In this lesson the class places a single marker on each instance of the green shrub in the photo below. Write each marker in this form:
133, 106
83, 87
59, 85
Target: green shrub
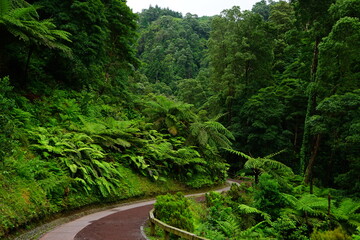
336, 234
356, 235
6, 125
268, 197
199, 181
174, 210
288, 229
21, 201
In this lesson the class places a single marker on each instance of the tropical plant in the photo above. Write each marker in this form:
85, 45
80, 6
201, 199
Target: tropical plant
174, 210
348, 213
22, 20
83, 159
266, 164
211, 133
335, 234
169, 116
6, 126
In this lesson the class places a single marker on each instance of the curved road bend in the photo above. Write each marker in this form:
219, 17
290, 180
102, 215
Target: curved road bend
120, 223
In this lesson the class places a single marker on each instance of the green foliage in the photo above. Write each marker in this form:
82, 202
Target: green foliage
356, 236
265, 165
25, 200
6, 125
235, 60
167, 115
338, 120
268, 198
348, 212
171, 47
147, 16
174, 210
23, 22
75, 128
342, 42
211, 133
287, 228
83, 159
338, 233
102, 34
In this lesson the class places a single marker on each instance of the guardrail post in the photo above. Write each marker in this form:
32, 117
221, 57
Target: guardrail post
167, 235
170, 229
152, 228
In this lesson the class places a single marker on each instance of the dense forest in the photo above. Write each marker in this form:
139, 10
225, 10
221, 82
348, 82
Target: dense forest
99, 104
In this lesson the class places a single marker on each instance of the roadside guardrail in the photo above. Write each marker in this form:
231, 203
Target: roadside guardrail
170, 229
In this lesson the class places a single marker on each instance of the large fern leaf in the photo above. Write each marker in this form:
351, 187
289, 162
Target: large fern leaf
251, 210
349, 210
241, 154
246, 233
230, 227
5, 6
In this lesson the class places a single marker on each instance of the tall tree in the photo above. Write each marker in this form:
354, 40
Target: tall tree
103, 32
172, 48
240, 56
313, 17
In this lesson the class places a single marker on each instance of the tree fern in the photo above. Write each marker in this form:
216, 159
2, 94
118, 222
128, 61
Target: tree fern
248, 233
245, 209
211, 133
109, 133
22, 21
308, 205
261, 165
348, 211
169, 115
230, 227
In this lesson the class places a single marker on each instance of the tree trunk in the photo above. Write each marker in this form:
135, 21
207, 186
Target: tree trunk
304, 152
309, 170
3, 68
296, 135
31, 50
256, 174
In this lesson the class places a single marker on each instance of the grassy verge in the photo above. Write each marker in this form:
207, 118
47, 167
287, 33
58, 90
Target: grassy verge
135, 188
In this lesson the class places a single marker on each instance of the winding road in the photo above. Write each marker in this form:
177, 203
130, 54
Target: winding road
120, 223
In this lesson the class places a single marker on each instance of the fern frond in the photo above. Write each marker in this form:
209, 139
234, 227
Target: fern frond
275, 154
312, 205
230, 227
241, 154
348, 211
247, 232
251, 210
5, 6
23, 13
290, 199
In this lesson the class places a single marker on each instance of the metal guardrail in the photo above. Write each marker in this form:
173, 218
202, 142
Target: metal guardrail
179, 232
170, 229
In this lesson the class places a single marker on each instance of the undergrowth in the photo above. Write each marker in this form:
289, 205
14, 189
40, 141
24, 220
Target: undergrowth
67, 149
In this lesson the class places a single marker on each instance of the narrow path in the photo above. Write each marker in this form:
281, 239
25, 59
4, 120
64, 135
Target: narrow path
124, 225
69, 230
120, 223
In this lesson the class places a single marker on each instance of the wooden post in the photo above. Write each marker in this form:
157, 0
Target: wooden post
152, 228
167, 235
329, 204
